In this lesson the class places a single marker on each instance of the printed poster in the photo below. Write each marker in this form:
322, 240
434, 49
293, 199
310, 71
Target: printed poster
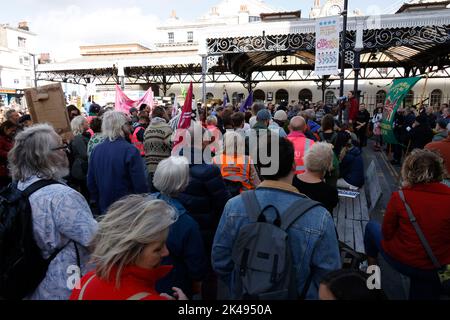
327, 46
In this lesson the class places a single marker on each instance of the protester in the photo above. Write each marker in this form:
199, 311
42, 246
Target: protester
420, 134
185, 244
25, 121
7, 133
312, 238
62, 221
353, 107
73, 112
116, 168
127, 252
376, 121
256, 107
351, 162
278, 123
211, 126
327, 132
397, 240
361, 125
219, 115
442, 132
239, 125
157, 143
442, 147
78, 151
98, 137
348, 285
13, 116
318, 162
134, 115
237, 169
301, 143
205, 196
138, 133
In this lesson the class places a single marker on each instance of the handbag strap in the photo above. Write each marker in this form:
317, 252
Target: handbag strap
419, 232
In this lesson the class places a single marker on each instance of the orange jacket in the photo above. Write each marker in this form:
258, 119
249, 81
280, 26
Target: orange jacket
235, 168
138, 144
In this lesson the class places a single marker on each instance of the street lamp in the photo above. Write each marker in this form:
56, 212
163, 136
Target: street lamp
343, 43
323, 84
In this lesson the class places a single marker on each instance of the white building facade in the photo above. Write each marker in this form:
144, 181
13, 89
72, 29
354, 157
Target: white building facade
17, 58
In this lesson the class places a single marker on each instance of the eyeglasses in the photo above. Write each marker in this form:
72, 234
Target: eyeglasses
64, 147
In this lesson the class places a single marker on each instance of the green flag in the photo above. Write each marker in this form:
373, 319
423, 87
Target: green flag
399, 89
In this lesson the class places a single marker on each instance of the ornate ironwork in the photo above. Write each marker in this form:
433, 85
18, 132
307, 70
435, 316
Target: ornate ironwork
270, 43
372, 39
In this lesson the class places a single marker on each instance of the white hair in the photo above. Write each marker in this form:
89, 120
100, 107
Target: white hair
33, 154
319, 158
211, 120
172, 175
112, 125
77, 125
126, 229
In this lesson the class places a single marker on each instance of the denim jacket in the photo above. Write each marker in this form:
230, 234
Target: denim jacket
312, 237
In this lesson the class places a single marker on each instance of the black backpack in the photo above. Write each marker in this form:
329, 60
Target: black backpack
22, 267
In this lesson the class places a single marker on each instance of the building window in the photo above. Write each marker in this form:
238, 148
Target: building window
16, 81
330, 97
190, 37
305, 95
171, 37
380, 97
259, 96
254, 19
409, 99
21, 42
435, 98
24, 61
282, 96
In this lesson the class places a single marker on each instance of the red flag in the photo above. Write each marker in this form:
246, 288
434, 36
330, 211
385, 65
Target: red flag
185, 118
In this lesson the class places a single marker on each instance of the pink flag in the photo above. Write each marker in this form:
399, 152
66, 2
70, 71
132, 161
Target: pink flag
185, 118
124, 104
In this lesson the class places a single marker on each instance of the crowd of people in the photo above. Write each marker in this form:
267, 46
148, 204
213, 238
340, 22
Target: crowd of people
146, 217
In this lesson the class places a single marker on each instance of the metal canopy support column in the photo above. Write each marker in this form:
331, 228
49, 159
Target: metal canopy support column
204, 71
343, 43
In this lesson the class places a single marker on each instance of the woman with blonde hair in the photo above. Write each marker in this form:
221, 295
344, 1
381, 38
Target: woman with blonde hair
318, 161
237, 169
422, 203
127, 251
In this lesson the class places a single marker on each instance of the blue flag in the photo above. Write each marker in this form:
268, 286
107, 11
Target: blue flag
247, 103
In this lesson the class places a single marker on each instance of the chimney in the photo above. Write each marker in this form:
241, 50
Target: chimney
173, 15
24, 26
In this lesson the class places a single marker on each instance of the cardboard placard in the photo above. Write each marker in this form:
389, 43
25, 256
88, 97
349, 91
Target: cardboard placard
47, 105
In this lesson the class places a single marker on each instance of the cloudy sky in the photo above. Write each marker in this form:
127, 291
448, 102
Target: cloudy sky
63, 25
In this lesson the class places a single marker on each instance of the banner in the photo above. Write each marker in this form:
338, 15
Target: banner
399, 89
247, 104
327, 46
124, 104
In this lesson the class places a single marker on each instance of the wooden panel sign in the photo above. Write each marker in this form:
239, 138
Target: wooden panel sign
47, 105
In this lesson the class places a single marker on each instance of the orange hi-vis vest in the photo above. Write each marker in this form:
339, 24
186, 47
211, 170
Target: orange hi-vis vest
301, 146
138, 144
235, 168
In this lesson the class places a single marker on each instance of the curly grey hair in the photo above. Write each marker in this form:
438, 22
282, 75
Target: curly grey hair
34, 155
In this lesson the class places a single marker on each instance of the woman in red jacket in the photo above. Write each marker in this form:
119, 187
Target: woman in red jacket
397, 240
7, 132
128, 248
